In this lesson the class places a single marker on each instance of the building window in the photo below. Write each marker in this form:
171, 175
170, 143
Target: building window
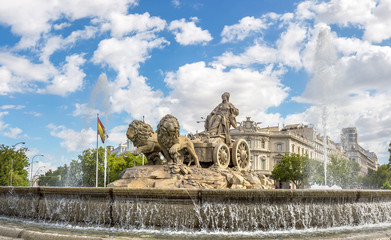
263, 161
279, 147
263, 144
293, 148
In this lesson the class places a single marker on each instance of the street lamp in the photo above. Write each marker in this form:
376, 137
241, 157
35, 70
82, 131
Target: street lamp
31, 170
12, 160
37, 174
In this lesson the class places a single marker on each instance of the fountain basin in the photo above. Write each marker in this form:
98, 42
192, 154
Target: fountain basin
197, 209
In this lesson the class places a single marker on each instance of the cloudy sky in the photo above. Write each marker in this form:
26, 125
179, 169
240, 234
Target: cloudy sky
283, 62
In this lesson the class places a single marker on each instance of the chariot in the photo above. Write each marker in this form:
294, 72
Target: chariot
215, 150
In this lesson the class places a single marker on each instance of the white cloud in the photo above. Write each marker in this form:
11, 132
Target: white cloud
244, 28
193, 95
41, 13
13, 133
16, 107
176, 3
55, 43
72, 140
3, 125
121, 25
187, 33
287, 52
19, 74
290, 45
70, 79
84, 110
370, 15
21, 67
254, 54
61, 26
117, 134
35, 114
125, 56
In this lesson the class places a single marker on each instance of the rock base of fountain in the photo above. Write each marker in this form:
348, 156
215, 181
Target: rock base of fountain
181, 176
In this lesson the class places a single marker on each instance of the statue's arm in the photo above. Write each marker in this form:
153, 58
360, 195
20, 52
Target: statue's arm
234, 110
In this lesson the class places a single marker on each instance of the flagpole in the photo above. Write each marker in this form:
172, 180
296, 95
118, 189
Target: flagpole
104, 184
106, 136
97, 148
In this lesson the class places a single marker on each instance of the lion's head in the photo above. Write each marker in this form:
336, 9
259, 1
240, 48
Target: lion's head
139, 132
168, 131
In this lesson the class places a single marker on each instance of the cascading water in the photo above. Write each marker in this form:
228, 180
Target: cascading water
192, 210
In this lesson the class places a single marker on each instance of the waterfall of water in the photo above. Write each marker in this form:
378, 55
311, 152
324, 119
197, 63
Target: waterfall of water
197, 210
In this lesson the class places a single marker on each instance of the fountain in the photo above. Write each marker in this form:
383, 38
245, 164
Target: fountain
224, 211
196, 209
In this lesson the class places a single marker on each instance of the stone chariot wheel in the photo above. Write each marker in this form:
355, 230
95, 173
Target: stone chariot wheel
221, 155
241, 154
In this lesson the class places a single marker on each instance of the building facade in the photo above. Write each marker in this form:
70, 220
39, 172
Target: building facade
356, 153
269, 145
124, 148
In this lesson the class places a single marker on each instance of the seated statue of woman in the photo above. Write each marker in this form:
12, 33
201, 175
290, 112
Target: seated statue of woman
220, 120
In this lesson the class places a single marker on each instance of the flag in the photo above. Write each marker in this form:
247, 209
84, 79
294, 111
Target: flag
101, 131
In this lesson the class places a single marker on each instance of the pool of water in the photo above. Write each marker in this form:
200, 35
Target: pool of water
370, 231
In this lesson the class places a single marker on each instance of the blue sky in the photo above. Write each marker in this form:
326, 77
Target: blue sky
282, 61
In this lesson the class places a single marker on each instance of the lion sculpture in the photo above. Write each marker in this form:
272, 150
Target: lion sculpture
145, 139
175, 147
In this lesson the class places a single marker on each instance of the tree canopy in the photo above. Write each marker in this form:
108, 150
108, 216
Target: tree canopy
82, 172
304, 172
343, 172
291, 169
377, 178
389, 150
20, 162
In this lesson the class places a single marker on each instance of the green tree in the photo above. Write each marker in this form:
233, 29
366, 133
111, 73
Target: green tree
313, 172
386, 185
343, 172
50, 178
290, 169
82, 172
115, 165
20, 162
377, 178
389, 150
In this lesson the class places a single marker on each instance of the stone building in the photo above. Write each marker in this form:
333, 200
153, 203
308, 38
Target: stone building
260, 145
124, 148
353, 150
269, 145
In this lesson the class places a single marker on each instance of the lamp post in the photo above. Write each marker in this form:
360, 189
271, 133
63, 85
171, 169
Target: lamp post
37, 173
12, 160
31, 170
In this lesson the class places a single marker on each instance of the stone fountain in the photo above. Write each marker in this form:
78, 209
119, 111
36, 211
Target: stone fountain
205, 186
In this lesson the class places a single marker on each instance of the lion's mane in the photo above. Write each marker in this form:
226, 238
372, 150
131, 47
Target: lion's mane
142, 132
168, 131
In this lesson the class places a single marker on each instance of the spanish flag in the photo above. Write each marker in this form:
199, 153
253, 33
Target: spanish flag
101, 131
